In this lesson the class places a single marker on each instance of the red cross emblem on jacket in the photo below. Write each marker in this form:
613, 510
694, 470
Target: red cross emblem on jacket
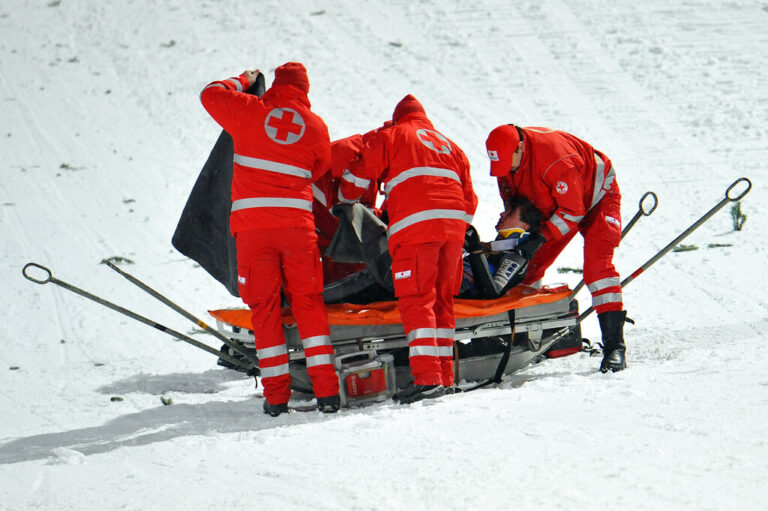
434, 140
284, 125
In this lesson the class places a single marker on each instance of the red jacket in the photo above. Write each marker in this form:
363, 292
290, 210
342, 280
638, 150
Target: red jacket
562, 175
280, 148
425, 176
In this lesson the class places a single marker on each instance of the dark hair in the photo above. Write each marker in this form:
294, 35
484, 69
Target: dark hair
529, 213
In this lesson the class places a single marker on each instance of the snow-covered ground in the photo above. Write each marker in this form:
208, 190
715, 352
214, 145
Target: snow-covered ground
102, 136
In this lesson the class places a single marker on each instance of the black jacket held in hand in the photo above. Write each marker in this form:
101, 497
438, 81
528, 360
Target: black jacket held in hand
202, 233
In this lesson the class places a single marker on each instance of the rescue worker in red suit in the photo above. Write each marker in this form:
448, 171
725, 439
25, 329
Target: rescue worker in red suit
281, 147
430, 203
575, 188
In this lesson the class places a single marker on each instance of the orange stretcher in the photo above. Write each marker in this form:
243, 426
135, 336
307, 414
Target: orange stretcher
386, 313
533, 320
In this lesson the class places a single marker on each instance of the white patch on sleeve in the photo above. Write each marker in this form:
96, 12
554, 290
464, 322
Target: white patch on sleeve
561, 187
402, 274
613, 221
241, 279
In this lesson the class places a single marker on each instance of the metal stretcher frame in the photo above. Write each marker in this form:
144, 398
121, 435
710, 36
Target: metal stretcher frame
543, 317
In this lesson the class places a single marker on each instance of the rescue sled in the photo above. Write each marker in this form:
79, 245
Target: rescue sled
372, 351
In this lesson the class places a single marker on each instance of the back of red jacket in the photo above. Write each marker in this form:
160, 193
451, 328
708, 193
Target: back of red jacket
562, 175
281, 147
425, 176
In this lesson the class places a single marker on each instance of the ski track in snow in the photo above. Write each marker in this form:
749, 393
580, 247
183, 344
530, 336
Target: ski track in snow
102, 136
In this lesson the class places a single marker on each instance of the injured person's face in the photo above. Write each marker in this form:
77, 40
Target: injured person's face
510, 223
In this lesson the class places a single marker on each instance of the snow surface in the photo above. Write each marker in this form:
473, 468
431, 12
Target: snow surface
102, 136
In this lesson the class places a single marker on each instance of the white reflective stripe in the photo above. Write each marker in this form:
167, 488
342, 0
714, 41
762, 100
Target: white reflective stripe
357, 181
318, 194
269, 372
603, 182
445, 333
426, 351
237, 84
271, 202
430, 214
560, 224
418, 172
445, 351
603, 283
606, 298
272, 166
215, 85
344, 199
599, 179
421, 333
606, 186
316, 341
573, 218
274, 351
318, 360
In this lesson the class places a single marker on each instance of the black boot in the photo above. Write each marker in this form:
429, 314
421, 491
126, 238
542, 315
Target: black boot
414, 393
329, 404
614, 349
275, 410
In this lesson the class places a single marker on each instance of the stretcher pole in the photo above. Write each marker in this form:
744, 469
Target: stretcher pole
48, 277
661, 253
641, 212
226, 340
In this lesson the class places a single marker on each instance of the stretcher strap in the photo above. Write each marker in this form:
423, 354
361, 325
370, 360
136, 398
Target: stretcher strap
497, 378
505, 357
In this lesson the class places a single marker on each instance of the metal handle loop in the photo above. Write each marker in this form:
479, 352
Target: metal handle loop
47, 279
742, 194
655, 203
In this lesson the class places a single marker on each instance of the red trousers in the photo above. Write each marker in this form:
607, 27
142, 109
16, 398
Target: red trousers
267, 259
426, 278
601, 229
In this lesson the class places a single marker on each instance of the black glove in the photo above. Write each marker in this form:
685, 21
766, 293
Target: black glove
472, 240
530, 245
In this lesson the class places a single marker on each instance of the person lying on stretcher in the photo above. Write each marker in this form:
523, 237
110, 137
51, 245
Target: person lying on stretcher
491, 269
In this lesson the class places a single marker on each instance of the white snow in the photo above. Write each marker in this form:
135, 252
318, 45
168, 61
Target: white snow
102, 136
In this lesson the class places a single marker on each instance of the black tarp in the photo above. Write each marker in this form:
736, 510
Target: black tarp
360, 238
202, 233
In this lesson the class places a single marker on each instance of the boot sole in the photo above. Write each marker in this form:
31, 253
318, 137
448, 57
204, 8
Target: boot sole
422, 397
